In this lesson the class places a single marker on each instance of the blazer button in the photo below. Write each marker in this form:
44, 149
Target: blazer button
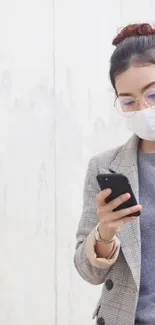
109, 285
100, 321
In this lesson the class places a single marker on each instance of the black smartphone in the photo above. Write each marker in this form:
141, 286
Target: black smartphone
119, 184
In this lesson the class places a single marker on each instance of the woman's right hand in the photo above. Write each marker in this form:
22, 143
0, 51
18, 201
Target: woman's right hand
110, 221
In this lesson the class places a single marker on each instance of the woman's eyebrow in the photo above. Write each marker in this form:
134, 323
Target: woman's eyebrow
144, 88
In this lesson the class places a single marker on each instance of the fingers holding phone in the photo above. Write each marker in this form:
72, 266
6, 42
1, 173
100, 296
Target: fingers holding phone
115, 205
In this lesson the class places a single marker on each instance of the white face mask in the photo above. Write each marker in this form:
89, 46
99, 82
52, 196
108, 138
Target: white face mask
142, 123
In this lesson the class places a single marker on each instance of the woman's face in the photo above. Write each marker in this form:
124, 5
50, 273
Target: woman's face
136, 88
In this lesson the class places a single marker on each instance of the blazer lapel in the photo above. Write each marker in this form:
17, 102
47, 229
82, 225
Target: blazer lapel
130, 237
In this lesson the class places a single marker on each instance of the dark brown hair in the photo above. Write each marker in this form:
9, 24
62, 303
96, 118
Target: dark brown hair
135, 44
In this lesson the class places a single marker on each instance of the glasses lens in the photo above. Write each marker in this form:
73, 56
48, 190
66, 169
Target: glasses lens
149, 96
126, 104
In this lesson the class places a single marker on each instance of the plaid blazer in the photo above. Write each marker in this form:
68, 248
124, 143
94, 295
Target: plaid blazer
120, 273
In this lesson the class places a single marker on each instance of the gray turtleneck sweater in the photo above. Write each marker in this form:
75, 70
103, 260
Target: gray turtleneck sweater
145, 314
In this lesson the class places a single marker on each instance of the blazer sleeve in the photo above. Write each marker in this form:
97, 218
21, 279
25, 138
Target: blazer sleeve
91, 268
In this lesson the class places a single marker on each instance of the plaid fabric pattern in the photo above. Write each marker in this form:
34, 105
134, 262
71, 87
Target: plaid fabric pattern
116, 306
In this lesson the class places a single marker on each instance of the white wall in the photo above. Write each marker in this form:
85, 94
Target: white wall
56, 111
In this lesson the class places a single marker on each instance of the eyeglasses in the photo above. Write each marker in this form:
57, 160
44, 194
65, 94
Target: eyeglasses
131, 105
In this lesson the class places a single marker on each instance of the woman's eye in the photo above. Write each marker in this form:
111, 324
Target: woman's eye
129, 103
151, 96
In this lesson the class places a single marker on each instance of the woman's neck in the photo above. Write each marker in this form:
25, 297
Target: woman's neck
147, 146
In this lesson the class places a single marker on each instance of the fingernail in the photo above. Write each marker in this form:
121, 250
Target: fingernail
127, 195
108, 190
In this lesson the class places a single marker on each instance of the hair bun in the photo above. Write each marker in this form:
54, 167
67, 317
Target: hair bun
133, 30
144, 29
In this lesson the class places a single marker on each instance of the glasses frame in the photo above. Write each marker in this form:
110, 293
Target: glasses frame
136, 100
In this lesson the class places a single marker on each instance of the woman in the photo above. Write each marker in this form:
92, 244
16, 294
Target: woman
113, 249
